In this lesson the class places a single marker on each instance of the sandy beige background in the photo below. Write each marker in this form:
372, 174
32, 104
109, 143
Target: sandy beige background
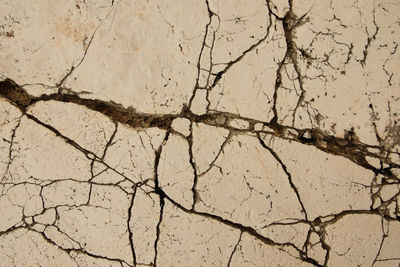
199, 133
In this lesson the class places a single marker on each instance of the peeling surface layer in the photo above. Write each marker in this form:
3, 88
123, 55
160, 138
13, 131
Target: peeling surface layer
200, 133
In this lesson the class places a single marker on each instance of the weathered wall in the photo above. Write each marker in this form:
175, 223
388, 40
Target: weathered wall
199, 133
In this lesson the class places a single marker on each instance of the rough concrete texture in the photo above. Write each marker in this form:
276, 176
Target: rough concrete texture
200, 133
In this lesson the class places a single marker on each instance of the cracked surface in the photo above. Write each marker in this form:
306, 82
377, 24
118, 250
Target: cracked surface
199, 133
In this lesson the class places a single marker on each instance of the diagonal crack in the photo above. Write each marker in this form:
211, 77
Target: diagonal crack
284, 168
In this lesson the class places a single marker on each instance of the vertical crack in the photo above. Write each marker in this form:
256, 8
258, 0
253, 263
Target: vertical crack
10, 150
129, 226
194, 167
289, 22
234, 249
196, 87
160, 193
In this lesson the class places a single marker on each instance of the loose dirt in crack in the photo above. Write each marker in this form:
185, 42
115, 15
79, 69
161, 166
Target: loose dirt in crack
347, 147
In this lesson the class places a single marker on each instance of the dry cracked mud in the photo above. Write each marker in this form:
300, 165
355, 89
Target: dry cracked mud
200, 133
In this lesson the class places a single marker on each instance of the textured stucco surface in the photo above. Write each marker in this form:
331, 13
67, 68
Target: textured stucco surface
200, 133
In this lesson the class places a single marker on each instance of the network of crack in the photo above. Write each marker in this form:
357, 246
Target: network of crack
241, 133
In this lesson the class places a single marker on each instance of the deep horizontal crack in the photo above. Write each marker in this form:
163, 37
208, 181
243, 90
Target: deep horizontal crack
348, 146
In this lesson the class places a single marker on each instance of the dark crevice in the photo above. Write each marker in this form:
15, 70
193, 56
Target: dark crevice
348, 147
